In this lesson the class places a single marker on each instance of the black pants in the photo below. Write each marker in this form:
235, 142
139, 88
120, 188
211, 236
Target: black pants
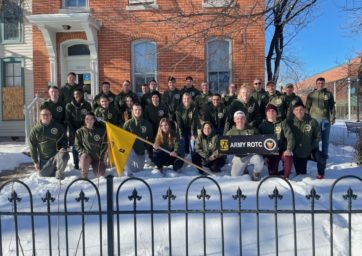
214, 165
300, 164
161, 159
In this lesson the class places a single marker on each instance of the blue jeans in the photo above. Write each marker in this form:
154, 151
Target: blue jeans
325, 128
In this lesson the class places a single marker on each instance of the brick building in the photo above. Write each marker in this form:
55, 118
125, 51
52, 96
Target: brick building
341, 81
141, 40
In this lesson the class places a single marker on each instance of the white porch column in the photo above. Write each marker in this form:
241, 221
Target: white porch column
94, 77
349, 98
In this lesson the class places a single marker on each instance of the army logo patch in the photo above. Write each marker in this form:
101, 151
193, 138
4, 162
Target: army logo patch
83, 111
270, 144
278, 102
208, 99
224, 145
220, 115
109, 116
54, 131
59, 109
326, 97
278, 129
143, 129
308, 128
160, 113
177, 96
210, 145
190, 115
293, 102
251, 108
97, 137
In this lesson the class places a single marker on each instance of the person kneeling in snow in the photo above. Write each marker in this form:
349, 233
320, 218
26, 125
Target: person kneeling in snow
240, 162
91, 143
206, 149
48, 144
168, 139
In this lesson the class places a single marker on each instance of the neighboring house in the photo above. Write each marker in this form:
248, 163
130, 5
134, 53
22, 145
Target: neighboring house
118, 40
337, 81
16, 65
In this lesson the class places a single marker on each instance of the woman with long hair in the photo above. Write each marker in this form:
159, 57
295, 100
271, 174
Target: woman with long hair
166, 138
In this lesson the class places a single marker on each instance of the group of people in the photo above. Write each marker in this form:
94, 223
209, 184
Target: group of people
183, 122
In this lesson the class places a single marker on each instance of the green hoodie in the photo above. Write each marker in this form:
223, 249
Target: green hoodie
154, 114
283, 132
46, 140
92, 142
278, 100
142, 128
306, 134
320, 105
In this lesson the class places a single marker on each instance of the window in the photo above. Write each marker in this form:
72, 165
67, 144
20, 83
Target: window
218, 57
142, 5
144, 63
11, 22
78, 50
75, 3
217, 3
132, 2
12, 73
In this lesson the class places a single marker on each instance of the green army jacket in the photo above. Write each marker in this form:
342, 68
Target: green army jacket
154, 114
187, 120
320, 105
260, 97
121, 97
110, 115
278, 100
141, 128
57, 109
111, 98
306, 134
206, 146
92, 142
216, 116
192, 90
290, 101
46, 140
171, 99
202, 102
74, 115
283, 132
66, 92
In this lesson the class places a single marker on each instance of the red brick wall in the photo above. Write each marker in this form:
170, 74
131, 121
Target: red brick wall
121, 27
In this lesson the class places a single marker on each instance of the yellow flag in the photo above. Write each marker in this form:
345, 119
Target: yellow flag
120, 145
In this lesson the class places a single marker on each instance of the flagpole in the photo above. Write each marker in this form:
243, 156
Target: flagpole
178, 157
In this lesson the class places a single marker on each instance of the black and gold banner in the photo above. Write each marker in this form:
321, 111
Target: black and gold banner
243, 144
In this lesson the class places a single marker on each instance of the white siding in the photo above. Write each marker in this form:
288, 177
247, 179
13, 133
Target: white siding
22, 50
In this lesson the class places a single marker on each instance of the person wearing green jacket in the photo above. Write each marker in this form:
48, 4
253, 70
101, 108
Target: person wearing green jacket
277, 99
230, 95
171, 98
55, 105
203, 100
285, 141
105, 91
259, 94
187, 121
106, 113
66, 91
240, 162
307, 135
74, 115
321, 106
190, 88
142, 128
206, 150
167, 138
290, 99
126, 91
91, 143
216, 114
248, 105
48, 146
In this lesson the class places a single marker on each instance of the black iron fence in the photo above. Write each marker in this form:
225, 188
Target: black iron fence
132, 208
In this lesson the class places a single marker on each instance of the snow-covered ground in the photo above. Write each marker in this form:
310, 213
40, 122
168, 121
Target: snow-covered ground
339, 164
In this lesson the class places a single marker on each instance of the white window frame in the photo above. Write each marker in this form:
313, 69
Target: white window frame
86, 7
207, 60
20, 29
142, 5
218, 3
133, 81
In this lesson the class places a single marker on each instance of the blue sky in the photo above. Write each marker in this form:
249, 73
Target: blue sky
327, 41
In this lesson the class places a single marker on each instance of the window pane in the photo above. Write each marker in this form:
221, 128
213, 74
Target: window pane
141, 1
17, 81
17, 69
144, 57
9, 81
76, 3
139, 80
78, 49
9, 69
218, 55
